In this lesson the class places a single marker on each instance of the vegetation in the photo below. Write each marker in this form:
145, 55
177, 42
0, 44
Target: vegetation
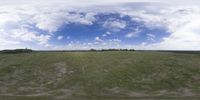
16, 51
113, 50
100, 75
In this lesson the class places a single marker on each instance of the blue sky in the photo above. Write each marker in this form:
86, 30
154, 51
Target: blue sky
100, 25
88, 33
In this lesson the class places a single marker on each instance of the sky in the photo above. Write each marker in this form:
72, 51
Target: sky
100, 24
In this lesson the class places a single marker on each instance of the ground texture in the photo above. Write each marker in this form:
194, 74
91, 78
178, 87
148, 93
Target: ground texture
100, 76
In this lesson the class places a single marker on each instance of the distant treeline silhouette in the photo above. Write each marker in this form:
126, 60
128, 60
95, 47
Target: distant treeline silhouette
16, 51
113, 50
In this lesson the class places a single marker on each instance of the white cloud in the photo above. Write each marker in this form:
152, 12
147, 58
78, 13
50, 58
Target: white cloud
182, 23
76, 45
111, 43
51, 20
19, 23
115, 25
45, 18
76, 3
185, 38
151, 37
106, 34
133, 34
109, 33
82, 3
5, 18
4, 42
19, 36
60, 37
97, 39
115, 40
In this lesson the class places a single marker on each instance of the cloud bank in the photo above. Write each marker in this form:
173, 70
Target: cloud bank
35, 26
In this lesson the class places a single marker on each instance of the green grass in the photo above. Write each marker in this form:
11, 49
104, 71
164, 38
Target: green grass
121, 75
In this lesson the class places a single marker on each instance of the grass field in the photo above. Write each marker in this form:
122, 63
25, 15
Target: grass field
116, 75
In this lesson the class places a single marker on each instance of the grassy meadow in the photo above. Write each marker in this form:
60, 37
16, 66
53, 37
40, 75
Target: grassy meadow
116, 75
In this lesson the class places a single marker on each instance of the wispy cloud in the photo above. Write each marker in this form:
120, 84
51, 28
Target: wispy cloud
151, 37
133, 34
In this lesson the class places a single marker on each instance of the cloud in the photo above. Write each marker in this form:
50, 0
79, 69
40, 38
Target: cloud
115, 25
37, 24
180, 22
109, 33
60, 37
51, 20
106, 34
4, 42
76, 45
115, 41
98, 40
133, 34
23, 35
5, 18
185, 38
151, 37
76, 3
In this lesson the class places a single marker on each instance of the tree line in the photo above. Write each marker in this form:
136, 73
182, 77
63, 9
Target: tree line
16, 51
113, 50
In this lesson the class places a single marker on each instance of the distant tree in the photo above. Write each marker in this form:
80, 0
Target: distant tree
117, 50
132, 50
125, 50
16, 51
103, 49
93, 50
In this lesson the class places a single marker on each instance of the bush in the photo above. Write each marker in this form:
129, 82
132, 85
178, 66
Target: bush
16, 51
